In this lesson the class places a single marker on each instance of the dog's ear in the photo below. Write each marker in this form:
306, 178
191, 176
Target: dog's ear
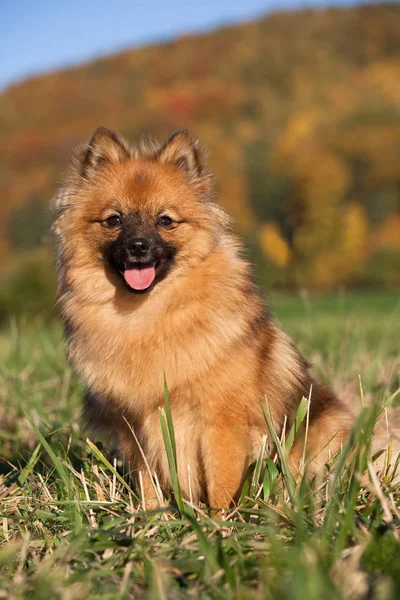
183, 152
105, 147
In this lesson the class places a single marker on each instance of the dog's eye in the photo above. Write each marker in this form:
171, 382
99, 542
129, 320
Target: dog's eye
113, 221
165, 221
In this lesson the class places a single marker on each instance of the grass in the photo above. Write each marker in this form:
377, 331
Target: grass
72, 526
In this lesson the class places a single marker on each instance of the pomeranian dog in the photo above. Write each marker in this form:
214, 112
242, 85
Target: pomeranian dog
153, 283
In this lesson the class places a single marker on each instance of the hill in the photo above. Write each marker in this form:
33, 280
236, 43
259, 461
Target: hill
300, 112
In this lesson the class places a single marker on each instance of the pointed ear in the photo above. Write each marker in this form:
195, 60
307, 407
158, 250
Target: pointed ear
183, 152
105, 147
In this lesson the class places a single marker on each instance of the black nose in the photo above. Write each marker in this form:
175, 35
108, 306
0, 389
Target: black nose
139, 247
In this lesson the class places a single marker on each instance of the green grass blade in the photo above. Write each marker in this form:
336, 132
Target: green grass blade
289, 479
168, 432
392, 397
27, 470
171, 462
54, 458
100, 456
271, 475
75, 515
299, 418
206, 546
257, 469
169, 420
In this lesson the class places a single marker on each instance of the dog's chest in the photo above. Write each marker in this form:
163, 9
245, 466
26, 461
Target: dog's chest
126, 355
129, 363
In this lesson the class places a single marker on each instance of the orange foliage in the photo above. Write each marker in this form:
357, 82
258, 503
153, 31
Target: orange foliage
388, 234
274, 245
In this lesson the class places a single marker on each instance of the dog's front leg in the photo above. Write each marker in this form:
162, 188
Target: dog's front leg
136, 465
225, 454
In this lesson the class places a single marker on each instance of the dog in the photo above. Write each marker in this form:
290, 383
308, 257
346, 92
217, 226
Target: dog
153, 284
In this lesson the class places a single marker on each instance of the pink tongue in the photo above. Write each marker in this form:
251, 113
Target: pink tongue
140, 279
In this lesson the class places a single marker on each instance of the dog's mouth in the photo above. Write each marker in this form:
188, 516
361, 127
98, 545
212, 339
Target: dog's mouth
140, 277
140, 273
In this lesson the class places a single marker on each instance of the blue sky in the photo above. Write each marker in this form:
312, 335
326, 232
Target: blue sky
40, 35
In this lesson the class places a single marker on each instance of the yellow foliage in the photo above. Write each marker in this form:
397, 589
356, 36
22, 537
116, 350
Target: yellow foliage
384, 75
354, 248
324, 182
233, 192
274, 245
337, 262
299, 130
327, 180
232, 196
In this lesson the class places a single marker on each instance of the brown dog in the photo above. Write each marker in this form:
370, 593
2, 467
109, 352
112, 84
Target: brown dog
151, 282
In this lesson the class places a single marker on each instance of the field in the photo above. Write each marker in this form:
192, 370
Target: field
71, 525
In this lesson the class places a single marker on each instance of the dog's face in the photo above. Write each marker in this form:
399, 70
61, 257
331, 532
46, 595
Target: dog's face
140, 253
139, 220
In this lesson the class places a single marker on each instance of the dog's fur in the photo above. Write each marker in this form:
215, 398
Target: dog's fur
201, 323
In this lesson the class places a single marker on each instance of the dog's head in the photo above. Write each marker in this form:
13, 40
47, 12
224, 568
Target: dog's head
141, 216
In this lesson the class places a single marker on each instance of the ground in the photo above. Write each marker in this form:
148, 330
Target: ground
71, 525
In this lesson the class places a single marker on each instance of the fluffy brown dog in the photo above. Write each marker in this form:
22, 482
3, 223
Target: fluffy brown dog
152, 281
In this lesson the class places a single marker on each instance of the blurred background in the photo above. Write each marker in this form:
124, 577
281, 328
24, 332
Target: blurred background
298, 103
